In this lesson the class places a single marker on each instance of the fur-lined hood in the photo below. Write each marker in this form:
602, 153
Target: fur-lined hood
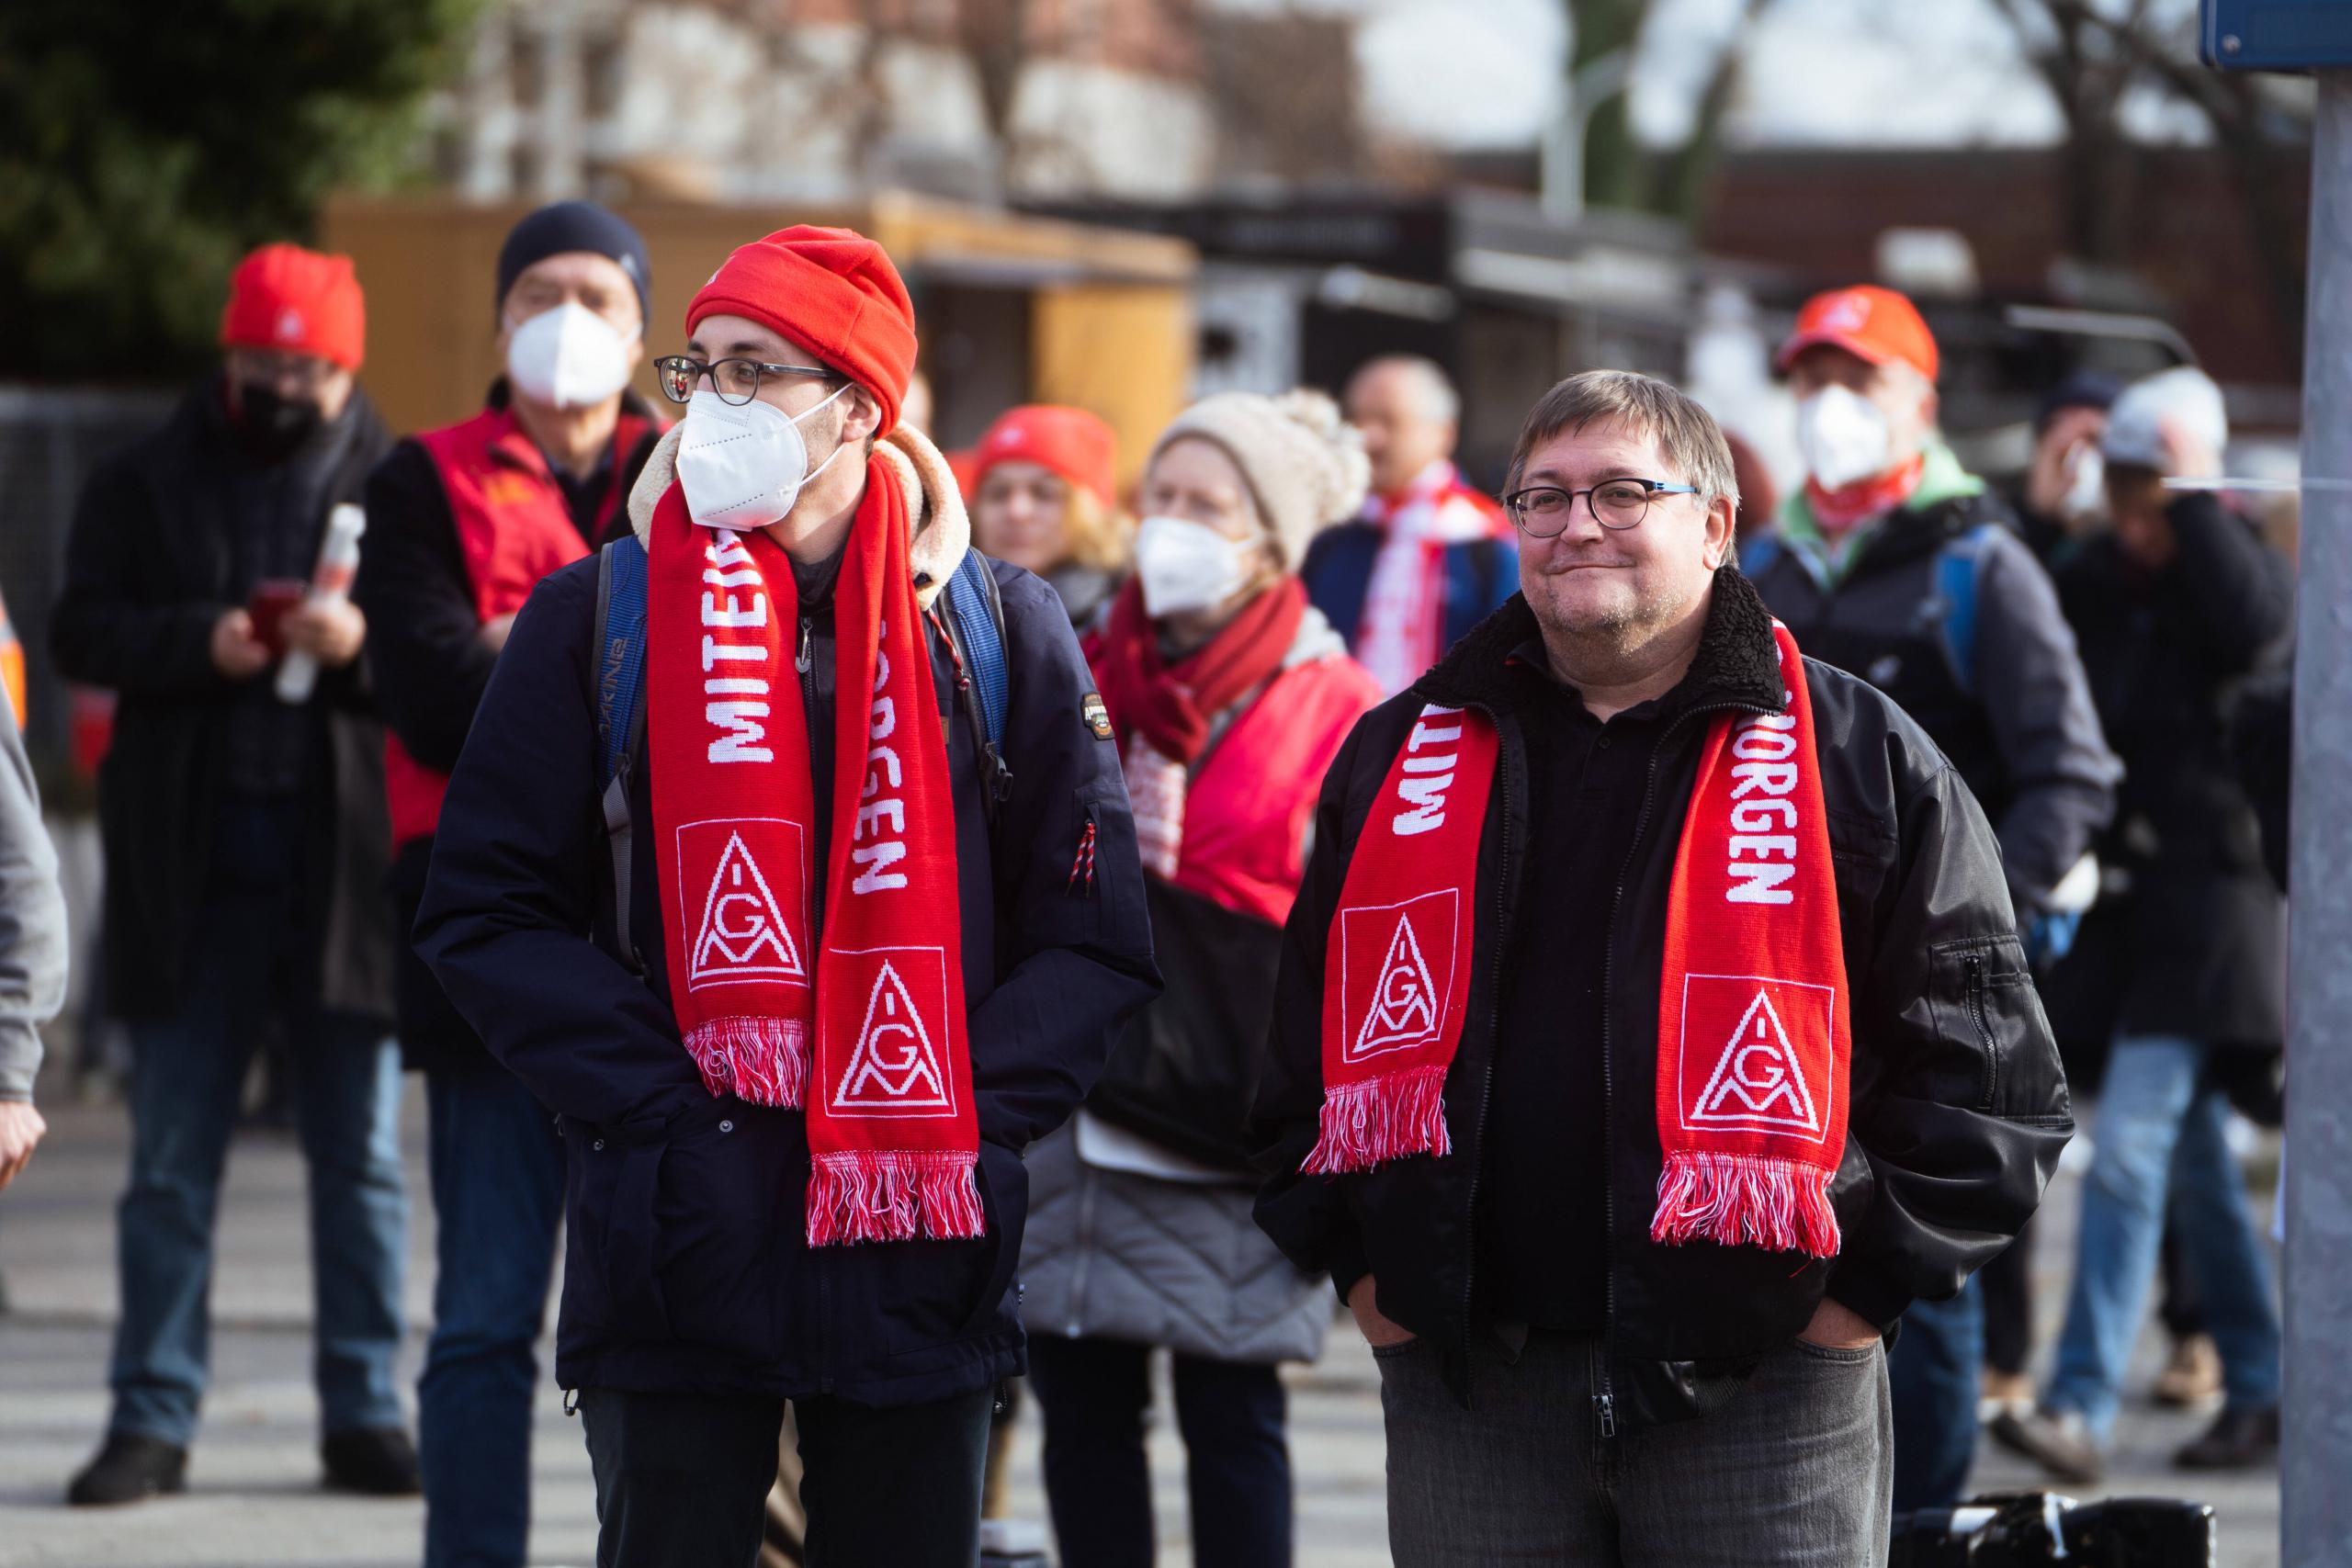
943, 530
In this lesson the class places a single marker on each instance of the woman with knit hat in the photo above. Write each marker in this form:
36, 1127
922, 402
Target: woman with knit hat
1229, 695
806, 977
1045, 497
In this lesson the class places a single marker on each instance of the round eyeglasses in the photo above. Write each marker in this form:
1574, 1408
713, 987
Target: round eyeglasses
1542, 511
737, 382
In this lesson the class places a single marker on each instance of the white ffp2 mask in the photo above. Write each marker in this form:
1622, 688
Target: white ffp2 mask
744, 465
1843, 437
568, 356
1184, 566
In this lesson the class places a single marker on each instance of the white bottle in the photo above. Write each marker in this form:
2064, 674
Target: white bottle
330, 585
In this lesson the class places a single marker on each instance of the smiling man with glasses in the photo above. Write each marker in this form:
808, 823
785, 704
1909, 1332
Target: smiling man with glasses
1633, 1060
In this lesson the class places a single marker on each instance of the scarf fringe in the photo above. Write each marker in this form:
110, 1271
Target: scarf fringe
893, 1195
1377, 1119
762, 1059
1739, 1199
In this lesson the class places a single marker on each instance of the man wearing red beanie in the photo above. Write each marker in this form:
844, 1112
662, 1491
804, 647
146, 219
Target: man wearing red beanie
242, 811
798, 880
1896, 564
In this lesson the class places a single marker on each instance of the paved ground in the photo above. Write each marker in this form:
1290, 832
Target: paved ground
253, 1501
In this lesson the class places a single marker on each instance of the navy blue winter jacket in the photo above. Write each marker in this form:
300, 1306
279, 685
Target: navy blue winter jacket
686, 1269
1480, 577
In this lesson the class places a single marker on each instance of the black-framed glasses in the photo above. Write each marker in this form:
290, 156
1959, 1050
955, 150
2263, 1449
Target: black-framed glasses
1542, 511
737, 382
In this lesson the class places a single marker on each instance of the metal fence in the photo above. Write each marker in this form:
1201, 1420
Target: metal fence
50, 440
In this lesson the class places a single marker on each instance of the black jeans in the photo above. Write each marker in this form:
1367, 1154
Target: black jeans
1095, 1393
681, 1479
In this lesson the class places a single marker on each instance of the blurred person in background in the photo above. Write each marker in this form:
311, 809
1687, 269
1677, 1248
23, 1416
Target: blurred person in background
1862, 569
1625, 1128
1427, 557
463, 521
245, 843
1229, 695
2064, 493
2177, 602
1044, 491
1760, 497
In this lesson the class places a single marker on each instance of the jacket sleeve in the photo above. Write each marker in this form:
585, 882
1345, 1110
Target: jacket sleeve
32, 918
1074, 965
2232, 594
109, 629
1959, 1104
2062, 776
504, 922
424, 647
1306, 1216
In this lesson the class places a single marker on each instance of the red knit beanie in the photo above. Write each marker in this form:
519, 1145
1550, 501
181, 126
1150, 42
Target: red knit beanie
831, 289
1069, 442
298, 301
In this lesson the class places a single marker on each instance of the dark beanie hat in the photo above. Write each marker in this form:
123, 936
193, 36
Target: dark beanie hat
568, 226
2080, 390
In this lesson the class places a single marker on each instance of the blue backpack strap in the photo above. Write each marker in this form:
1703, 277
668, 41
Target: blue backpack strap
1958, 567
980, 620
620, 725
1757, 555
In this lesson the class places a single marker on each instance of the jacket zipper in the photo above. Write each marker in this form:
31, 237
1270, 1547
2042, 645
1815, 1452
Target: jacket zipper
1493, 1031
1975, 970
1604, 1395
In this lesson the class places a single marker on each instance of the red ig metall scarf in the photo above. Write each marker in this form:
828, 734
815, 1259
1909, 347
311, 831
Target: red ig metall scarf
1753, 1031
892, 1136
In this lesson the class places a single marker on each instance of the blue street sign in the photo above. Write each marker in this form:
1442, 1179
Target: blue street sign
2276, 35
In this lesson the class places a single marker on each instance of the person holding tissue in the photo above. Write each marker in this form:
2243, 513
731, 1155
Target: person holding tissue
246, 841
464, 521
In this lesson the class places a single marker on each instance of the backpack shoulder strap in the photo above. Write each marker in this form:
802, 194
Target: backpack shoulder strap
1757, 555
979, 610
1958, 565
619, 647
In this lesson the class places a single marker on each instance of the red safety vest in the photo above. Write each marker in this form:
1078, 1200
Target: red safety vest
513, 528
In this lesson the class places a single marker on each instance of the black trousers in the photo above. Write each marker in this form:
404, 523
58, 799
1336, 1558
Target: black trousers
681, 1479
1096, 1393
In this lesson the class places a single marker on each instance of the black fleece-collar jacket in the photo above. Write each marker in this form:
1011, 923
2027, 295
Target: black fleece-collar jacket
1958, 1105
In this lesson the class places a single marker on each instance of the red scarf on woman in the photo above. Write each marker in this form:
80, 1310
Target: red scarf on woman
1753, 1037
892, 1137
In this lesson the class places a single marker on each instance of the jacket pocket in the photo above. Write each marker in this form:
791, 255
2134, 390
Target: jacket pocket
1983, 1000
717, 1195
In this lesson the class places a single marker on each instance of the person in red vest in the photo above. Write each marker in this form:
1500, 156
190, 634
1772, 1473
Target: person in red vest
462, 523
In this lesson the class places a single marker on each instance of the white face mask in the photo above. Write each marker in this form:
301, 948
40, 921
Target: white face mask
1185, 566
2087, 484
570, 356
1843, 437
743, 468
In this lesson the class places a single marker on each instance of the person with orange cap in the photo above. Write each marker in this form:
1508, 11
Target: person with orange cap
1045, 497
245, 841
789, 865
1894, 563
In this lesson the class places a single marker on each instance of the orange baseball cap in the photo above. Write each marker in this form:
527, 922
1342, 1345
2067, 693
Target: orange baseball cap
1869, 322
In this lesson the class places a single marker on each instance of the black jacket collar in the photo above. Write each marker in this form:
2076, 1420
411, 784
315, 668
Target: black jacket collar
1738, 660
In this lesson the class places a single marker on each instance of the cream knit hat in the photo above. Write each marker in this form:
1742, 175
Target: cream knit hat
1304, 464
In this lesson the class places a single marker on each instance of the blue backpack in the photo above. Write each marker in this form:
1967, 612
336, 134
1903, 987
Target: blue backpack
621, 569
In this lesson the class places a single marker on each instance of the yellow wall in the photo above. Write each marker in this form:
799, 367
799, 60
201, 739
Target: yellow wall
1112, 317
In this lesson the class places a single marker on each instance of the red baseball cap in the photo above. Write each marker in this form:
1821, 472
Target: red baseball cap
832, 289
298, 301
1067, 441
1869, 323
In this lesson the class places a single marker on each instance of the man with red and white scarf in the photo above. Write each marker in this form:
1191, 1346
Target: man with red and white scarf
1652, 1029
1428, 556
859, 956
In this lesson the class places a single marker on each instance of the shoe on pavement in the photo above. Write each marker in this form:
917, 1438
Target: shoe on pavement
129, 1467
375, 1462
2193, 1375
1013, 1543
2002, 1392
2238, 1439
2058, 1441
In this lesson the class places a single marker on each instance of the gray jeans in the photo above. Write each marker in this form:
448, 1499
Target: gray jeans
1796, 1471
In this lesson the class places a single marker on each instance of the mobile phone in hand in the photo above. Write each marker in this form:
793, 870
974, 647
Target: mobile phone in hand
271, 598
